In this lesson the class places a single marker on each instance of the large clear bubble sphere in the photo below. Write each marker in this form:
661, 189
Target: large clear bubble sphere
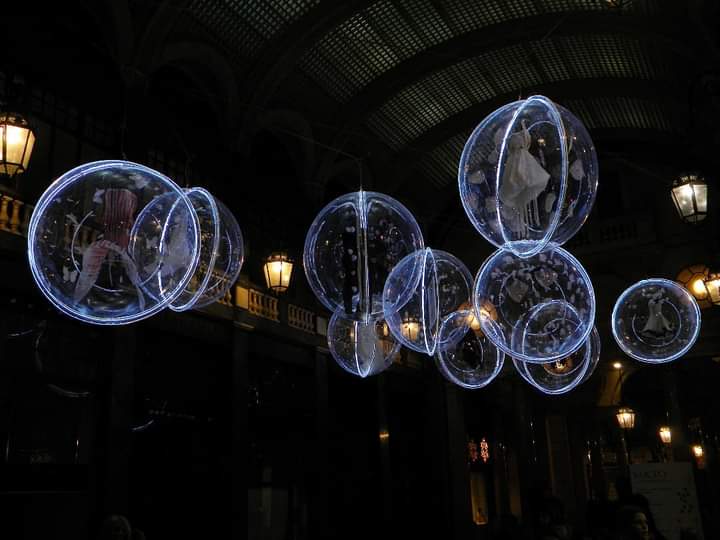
656, 321
542, 307
528, 176
362, 349
468, 358
438, 284
565, 374
220, 256
113, 242
351, 247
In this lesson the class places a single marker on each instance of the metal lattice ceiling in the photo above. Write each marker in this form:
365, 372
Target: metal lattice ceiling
243, 27
429, 112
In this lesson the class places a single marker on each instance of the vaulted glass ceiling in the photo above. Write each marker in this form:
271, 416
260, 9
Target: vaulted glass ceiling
450, 62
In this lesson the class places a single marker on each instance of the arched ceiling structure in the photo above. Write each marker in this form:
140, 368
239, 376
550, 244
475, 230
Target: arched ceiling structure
400, 84
417, 75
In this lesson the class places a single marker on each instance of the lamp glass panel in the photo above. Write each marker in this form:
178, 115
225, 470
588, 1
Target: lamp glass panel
683, 196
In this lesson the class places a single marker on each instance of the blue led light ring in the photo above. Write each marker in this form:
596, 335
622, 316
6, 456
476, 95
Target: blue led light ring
681, 302
527, 335
229, 260
465, 196
429, 300
202, 201
452, 368
539, 245
548, 382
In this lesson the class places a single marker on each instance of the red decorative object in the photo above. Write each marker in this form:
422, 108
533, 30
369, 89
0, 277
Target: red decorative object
484, 450
473, 454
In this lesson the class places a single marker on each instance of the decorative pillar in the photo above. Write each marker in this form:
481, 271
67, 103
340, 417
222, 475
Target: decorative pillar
384, 438
436, 441
499, 463
4, 217
239, 437
319, 509
562, 480
15, 217
110, 463
525, 451
461, 505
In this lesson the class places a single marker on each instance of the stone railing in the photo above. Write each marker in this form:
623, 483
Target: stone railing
14, 215
259, 304
301, 318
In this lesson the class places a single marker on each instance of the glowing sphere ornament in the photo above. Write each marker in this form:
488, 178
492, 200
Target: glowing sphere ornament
351, 247
438, 284
113, 242
362, 349
565, 374
220, 256
528, 176
544, 305
468, 358
656, 321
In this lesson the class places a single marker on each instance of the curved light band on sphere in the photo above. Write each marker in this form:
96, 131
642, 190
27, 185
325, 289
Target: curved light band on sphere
468, 359
562, 376
209, 222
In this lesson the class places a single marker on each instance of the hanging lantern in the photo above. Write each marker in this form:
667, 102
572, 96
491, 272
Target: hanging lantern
712, 286
665, 434
626, 418
410, 328
689, 193
693, 279
16, 144
278, 270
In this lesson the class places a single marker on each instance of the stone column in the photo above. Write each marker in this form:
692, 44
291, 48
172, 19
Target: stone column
239, 438
319, 502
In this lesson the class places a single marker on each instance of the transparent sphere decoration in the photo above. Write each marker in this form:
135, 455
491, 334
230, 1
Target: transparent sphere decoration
565, 374
113, 242
362, 349
656, 321
438, 284
543, 307
221, 253
470, 361
351, 247
528, 176
209, 221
